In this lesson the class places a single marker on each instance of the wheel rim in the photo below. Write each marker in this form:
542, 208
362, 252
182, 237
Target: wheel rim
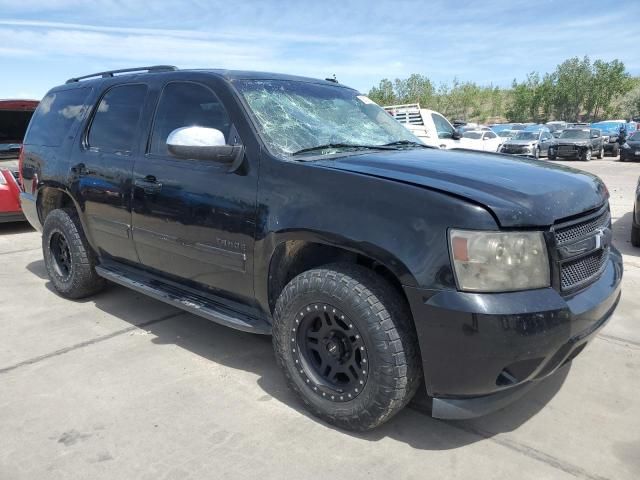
588, 155
329, 353
61, 254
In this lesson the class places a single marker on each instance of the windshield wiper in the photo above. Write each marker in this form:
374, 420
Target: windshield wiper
341, 146
408, 143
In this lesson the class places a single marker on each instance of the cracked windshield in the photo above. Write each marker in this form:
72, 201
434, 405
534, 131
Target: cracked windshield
307, 118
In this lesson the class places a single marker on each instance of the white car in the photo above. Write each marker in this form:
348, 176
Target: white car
483, 140
429, 126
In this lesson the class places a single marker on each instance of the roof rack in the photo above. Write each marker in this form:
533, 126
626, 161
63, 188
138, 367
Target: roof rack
110, 73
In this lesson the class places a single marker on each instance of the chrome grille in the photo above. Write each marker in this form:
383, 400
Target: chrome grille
579, 230
580, 271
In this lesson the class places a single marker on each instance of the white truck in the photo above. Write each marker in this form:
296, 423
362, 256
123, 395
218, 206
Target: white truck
429, 126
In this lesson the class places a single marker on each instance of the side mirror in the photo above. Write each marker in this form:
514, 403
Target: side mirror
203, 143
456, 135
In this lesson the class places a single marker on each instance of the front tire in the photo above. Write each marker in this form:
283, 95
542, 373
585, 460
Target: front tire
585, 156
345, 342
601, 153
69, 259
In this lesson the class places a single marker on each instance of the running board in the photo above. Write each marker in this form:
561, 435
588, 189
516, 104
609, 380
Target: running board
183, 298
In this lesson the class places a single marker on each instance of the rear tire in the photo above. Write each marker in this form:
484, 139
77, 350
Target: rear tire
348, 320
616, 150
69, 259
635, 235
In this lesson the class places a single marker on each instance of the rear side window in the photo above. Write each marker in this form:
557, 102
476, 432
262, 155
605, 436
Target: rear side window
55, 115
115, 123
444, 129
186, 104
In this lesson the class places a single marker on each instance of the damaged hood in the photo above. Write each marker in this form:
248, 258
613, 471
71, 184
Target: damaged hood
519, 192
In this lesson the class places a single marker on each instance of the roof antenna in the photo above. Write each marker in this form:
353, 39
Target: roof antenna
332, 79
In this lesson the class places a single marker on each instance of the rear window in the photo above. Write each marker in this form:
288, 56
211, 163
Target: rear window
55, 115
115, 122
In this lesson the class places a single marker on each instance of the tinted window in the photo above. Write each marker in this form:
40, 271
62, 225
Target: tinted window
444, 129
490, 135
185, 104
55, 115
116, 120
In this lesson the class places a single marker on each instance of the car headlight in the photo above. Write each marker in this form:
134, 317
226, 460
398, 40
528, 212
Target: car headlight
625, 145
486, 261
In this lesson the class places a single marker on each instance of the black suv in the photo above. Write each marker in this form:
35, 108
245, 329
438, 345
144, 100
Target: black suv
297, 207
580, 143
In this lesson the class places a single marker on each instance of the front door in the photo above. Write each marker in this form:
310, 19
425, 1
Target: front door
103, 166
191, 219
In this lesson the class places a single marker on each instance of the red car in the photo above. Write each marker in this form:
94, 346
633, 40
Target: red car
14, 119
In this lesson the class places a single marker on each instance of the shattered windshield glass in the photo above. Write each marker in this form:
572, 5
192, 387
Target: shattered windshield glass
310, 118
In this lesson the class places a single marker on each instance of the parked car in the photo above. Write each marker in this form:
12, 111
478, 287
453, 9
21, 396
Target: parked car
537, 127
377, 263
9, 198
580, 143
482, 140
610, 132
635, 220
529, 143
631, 148
429, 126
14, 118
506, 135
556, 126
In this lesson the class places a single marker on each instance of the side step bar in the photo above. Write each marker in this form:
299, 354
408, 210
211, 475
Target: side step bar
183, 298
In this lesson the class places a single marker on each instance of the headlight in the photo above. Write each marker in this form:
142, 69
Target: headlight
499, 261
625, 145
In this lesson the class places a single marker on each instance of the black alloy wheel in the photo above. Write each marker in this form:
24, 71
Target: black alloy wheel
61, 254
330, 353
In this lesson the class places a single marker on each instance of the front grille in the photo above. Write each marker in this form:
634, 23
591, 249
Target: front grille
566, 149
580, 230
513, 149
578, 272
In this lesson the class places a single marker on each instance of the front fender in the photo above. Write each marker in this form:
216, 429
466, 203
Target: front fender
403, 227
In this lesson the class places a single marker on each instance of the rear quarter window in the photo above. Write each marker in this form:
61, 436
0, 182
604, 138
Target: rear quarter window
55, 115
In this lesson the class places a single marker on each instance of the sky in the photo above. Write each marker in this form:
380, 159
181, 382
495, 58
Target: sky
43, 43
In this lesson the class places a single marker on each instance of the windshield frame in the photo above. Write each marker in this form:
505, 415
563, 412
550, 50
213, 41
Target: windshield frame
292, 157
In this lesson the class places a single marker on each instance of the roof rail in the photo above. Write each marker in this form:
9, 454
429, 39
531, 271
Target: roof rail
110, 73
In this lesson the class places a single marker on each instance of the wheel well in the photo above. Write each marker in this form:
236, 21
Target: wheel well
50, 199
293, 257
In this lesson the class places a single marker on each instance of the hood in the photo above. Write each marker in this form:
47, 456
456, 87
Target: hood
519, 192
520, 142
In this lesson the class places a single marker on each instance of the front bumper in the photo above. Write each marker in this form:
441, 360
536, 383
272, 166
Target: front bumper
482, 351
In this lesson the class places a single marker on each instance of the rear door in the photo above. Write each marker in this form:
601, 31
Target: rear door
103, 167
192, 220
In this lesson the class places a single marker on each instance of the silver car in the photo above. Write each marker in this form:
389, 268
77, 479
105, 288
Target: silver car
529, 143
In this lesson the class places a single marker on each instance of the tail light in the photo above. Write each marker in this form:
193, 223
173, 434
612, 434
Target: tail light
20, 164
